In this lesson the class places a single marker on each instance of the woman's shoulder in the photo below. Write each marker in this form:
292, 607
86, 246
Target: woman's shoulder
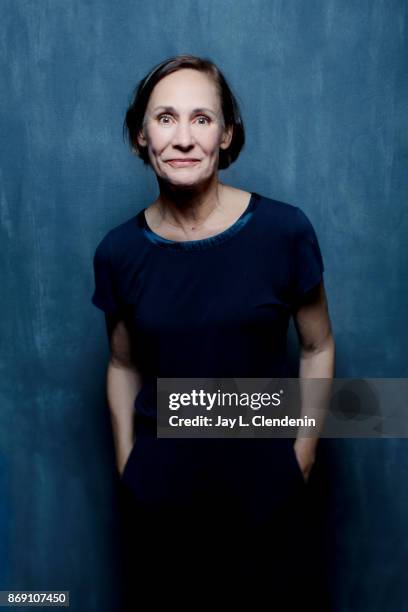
270, 207
127, 230
120, 239
282, 215
274, 206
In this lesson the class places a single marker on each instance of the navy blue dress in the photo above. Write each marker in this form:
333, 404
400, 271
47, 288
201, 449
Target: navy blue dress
215, 307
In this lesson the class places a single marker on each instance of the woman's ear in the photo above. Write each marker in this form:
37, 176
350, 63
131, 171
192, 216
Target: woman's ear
227, 137
141, 138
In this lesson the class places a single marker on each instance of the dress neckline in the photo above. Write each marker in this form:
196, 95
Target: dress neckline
202, 243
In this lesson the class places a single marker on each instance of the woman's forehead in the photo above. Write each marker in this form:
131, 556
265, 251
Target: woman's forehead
175, 89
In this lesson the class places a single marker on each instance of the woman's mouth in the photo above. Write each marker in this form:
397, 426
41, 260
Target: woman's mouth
181, 163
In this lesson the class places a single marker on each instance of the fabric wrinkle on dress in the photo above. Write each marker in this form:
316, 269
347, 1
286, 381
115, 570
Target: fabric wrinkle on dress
215, 307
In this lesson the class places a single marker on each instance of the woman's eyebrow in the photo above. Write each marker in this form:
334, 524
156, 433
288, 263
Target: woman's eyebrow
171, 109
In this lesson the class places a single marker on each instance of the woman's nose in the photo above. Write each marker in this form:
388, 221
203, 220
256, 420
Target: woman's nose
183, 134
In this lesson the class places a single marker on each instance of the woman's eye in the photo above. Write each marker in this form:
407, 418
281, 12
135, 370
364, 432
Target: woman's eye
203, 120
207, 120
163, 117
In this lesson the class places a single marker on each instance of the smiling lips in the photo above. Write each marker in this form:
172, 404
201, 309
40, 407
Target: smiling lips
181, 162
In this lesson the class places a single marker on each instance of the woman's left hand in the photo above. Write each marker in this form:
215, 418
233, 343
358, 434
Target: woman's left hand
305, 451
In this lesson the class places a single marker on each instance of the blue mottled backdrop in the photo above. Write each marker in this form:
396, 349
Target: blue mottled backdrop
323, 91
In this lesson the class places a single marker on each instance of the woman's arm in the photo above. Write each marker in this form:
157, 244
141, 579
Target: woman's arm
123, 382
317, 360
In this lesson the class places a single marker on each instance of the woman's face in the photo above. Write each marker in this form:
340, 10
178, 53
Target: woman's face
183, 121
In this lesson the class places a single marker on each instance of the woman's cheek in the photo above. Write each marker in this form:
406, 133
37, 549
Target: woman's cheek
158, 140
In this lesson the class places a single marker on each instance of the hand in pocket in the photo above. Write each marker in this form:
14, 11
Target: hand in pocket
123, 469
304, 459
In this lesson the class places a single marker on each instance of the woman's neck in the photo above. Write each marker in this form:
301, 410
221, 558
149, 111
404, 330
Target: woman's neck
189, 209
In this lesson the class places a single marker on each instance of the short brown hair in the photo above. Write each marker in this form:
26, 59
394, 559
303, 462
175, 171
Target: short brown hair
232, 117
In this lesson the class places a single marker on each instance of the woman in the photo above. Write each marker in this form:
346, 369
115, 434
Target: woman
202, 283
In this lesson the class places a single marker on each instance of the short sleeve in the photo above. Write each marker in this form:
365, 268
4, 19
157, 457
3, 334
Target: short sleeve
105, 295
307, 261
